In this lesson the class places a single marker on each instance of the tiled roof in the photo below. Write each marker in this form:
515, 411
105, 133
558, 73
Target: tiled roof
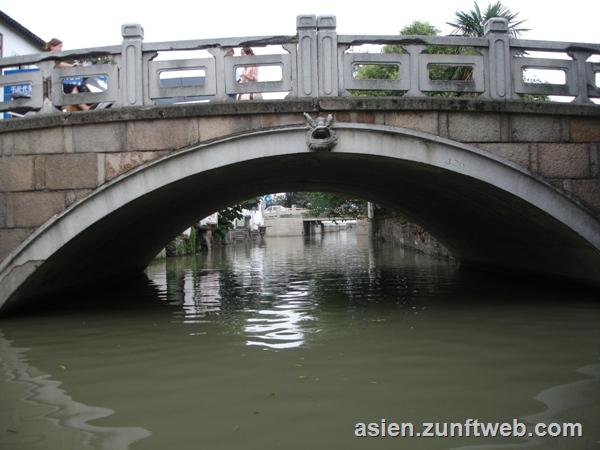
28, 35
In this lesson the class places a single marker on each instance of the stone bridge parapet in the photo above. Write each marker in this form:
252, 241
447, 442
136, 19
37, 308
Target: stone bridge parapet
316, 62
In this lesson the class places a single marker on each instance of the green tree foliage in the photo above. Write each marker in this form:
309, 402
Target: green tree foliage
390, 71
471, 23
292, 198
333, 205
467, 23
182, 245
419, 28
230, 214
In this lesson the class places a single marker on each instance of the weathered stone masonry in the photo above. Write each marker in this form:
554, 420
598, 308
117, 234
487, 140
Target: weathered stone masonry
49, 162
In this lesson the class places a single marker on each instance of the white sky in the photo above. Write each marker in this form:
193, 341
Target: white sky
91, 24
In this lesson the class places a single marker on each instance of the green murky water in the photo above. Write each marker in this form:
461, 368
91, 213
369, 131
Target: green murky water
288, 344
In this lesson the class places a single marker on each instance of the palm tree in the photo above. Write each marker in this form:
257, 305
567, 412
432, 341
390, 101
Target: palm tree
470, 23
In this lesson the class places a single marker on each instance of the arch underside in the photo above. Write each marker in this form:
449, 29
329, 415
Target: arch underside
484, 210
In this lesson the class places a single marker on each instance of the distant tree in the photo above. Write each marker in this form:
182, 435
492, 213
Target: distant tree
292, 199
417, 28
333, 205
420, 28
390, 71
467, 23
229, 215
470, 23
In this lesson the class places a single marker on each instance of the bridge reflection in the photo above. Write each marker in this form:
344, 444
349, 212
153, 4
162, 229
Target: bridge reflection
276, 320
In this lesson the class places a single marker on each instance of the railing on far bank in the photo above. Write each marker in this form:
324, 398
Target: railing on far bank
316, 62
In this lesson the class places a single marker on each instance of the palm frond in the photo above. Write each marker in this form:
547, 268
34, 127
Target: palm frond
471, 23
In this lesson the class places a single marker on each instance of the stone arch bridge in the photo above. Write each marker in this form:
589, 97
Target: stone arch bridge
501, 182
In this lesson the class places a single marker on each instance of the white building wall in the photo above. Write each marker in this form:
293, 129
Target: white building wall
13, 44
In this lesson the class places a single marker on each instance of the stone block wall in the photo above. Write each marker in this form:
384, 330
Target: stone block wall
46, 165
564, 150
394, 229
44, 171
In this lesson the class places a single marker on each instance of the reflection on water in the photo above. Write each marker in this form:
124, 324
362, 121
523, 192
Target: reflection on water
288, 344
281, 325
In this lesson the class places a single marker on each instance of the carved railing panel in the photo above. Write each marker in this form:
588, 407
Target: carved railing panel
352, 61
107, 73
569, 68
157, 89
27, 93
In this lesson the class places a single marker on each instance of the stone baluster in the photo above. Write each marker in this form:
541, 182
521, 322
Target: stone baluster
327, 56
131, 77
581, 75
414, 52
498, 72
48, 89
308, 84
222, 73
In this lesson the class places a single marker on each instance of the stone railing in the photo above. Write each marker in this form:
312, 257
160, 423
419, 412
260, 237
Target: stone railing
316, 62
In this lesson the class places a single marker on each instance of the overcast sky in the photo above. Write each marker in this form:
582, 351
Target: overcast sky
96, 23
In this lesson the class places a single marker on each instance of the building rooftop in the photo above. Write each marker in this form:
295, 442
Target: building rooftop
33, 38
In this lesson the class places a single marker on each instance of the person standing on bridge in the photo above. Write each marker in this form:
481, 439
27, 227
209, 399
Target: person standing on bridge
249, 74
71, 85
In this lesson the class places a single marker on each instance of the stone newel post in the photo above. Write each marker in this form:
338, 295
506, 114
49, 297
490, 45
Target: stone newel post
327, 49
499, 69
582, 74
131, 79
308, 85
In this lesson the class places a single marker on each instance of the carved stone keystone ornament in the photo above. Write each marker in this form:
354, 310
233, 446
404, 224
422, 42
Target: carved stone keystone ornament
320, 136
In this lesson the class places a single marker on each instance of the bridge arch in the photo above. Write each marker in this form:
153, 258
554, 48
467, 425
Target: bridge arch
486, 210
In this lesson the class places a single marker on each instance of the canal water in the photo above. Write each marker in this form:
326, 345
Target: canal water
292, 342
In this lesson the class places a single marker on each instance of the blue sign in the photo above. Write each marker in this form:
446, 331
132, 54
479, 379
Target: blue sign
14, 91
